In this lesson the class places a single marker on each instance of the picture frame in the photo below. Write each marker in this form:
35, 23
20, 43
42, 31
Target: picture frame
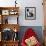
30, 13
5, 12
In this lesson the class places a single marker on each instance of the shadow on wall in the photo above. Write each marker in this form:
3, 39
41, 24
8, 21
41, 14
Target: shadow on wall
37, 29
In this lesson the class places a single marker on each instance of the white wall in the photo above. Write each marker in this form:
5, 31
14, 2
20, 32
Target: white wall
27, 3
39, 12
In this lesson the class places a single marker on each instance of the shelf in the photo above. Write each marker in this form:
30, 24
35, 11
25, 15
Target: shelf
10, 26
9, 22
9, 10
4, 8
9, 19
11, 15
11, 41
5, 12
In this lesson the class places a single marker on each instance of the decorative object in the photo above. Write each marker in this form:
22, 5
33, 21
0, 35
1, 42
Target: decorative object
5, 12
13, 12
15, 30
30, 13
6, 21
31, 41
15, 3
15, 37
7, 34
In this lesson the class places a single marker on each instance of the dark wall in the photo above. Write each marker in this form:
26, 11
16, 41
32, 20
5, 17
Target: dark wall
37, 29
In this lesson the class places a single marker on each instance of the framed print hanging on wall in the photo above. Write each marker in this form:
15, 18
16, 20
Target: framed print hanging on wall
30, 13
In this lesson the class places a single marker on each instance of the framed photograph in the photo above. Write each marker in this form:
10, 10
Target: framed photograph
13, 12
30, 13
5, 12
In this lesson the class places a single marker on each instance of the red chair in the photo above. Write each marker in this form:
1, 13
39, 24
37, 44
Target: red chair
29, 33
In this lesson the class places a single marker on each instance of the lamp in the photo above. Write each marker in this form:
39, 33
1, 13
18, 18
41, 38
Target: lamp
15, 30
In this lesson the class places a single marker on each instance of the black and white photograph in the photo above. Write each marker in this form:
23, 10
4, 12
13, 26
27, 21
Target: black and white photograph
30, 13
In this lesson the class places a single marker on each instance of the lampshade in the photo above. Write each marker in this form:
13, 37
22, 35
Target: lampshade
15, 30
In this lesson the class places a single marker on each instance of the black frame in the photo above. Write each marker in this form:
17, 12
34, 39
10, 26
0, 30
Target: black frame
33, 16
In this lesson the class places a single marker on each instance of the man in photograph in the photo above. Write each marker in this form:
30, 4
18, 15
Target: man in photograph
29, 13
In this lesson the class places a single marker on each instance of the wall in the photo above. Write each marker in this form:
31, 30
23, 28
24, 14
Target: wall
39, 13
27, 3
